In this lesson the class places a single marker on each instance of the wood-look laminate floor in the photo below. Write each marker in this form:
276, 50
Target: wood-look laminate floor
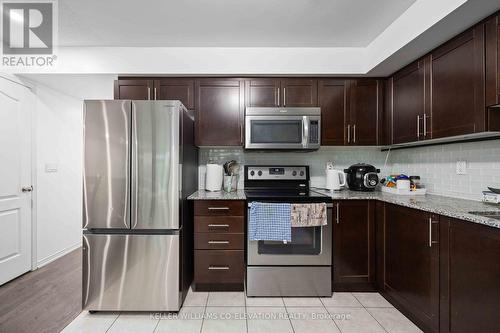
45, 300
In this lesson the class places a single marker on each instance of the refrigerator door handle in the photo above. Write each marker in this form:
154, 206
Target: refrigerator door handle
134, 167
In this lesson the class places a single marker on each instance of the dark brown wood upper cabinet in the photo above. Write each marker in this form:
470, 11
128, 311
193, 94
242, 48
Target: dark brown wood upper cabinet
334, 104
263, 92
299, 92
176, 89
470, 275
457, 81
410, 95
366, 102
219, 109
411, 263
133, 89
354, 245
492, 88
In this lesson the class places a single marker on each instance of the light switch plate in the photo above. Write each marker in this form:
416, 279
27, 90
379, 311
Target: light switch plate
461, 167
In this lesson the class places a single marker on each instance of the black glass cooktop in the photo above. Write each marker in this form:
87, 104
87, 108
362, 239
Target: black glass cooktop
285, 195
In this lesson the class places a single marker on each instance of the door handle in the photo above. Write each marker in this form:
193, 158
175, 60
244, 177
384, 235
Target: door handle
218, 208
284, 96
218, 268
338, 212
218, 225
149, 93
418, 126
354, 133
425, 125
26, 189
155, 93
218, 242
348, 133
430, 232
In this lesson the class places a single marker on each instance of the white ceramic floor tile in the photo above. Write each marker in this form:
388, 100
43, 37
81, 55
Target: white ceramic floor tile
226, 299
188, 320
267, 319
372, 300
393, 321
302, 301
91, 323
341, 299
179, 326
311, 319
224, 320
134, 323
354, 320
264, 301
196, 298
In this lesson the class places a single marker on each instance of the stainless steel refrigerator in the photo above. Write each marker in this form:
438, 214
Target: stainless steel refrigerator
140, 164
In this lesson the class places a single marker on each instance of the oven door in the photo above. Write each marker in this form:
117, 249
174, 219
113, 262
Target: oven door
277, 132
310, 246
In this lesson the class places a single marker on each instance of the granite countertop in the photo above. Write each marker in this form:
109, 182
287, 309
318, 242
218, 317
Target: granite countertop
219, 195
446, 206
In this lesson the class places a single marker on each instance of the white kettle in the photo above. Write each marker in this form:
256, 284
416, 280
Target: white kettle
335, 179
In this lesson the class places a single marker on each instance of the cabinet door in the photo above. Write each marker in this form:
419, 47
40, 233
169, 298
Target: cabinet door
219, 104
408, 103
176, 89
262, 92
133, 89
470, 275
411, 257
365, 105
299, 92
353, 245
457, 81
492, 85
332, 97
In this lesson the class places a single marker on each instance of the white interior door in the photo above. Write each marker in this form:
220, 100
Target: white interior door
16, 103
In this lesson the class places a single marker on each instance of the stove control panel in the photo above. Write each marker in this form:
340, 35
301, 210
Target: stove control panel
277, 173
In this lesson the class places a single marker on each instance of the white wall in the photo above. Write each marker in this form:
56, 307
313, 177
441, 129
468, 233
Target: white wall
59, 142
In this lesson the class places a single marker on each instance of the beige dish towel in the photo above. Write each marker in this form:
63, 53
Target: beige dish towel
309, 215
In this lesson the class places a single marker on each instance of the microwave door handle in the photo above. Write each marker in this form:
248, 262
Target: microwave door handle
305, 131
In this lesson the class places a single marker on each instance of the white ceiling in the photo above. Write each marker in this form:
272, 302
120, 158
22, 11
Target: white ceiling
226, 23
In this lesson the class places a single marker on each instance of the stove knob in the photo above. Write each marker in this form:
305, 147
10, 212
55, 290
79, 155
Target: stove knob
301, 173
252, 173
294, 173
259, 173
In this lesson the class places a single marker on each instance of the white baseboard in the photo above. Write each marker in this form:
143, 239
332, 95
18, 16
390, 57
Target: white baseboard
57, 255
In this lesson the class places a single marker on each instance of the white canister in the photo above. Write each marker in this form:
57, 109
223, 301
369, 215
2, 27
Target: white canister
213, 178
403, 184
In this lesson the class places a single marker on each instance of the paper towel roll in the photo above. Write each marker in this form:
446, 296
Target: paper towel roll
213, 179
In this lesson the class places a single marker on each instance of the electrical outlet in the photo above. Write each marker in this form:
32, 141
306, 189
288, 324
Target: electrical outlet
461, 167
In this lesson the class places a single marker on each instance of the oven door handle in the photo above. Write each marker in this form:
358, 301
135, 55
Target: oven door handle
328, 205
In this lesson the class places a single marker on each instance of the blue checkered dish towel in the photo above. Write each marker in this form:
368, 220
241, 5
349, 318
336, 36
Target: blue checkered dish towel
270, 221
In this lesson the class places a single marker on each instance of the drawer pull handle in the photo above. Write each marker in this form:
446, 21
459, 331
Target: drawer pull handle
218, 268
218, 208
218, 225
218, 242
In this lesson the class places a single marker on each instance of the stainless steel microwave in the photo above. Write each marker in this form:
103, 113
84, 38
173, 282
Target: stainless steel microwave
282, 128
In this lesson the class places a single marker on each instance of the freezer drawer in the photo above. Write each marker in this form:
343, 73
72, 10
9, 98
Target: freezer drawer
124, 272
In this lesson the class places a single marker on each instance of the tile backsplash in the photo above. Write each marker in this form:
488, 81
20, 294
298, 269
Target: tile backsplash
342, 157
436, 165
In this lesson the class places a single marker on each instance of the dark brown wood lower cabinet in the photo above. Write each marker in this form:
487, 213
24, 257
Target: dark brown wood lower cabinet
470, 277
219, 243
411, 264
354, 245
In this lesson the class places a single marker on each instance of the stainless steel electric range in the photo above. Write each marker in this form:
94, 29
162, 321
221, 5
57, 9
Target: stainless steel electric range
302, 267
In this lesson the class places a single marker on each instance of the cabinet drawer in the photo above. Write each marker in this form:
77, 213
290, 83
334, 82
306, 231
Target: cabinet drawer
219, 208
219, 224
217, 241
219, 266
